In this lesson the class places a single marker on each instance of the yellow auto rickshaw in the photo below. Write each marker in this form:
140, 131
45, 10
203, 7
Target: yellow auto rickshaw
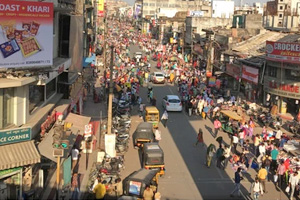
229, 120
152, 115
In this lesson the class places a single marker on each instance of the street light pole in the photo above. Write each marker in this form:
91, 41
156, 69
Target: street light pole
110, 96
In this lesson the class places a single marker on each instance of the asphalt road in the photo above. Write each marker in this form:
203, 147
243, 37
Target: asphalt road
187, 178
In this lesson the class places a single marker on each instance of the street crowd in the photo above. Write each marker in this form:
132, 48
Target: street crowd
249, 147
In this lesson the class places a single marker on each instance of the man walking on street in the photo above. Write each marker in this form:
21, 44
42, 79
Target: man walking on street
293, 182
257, 189
75, 155
237, 183
164, 118
262, 175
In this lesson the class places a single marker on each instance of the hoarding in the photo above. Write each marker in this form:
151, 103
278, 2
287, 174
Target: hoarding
15, 135
26, 34
100, 8
250, 74
283, 51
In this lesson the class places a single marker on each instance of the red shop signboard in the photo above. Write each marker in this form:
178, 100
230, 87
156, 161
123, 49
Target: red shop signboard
233, 70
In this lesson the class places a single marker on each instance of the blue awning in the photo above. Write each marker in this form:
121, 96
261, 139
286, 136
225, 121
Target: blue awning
88, 61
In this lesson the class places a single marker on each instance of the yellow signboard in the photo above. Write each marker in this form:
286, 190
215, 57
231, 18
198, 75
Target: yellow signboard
100, 8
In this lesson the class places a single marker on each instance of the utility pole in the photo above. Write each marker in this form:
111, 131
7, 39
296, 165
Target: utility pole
110, 96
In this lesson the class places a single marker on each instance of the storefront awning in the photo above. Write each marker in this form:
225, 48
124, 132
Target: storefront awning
18, 154
78, 121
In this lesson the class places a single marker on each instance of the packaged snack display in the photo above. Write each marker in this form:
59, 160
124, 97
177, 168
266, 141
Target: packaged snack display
34, 28
8, 28
26, 29
29, 47
18, 35
9, 48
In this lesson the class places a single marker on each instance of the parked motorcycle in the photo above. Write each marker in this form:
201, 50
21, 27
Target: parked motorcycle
265, 119
294, 127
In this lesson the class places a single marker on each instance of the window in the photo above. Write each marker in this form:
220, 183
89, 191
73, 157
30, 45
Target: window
280, 15
6, 107
145, 4
165, 5
152, 12
272, 71
36, 96
151, 4
281, 7
50, 88
292, 74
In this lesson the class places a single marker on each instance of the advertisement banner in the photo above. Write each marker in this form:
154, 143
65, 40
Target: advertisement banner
15, 135
26, 34
137, 11
250, 74
288, 90
233, 70
100, 8
283, 51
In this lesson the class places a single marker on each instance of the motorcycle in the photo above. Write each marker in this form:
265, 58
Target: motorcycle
265, 119
277, 123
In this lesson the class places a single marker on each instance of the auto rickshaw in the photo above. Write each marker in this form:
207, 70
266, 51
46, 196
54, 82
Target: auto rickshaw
143, 134
135, 183
152, 115
229, 120
153, 157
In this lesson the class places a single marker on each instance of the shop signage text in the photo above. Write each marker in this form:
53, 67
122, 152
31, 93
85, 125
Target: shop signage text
15, 135
9, 171
100, 8
283, 51
233, 70
284, 90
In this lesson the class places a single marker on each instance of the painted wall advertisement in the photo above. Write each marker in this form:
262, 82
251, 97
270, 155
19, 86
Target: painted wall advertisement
26, 34
15, 135
100, 8
250, 74
283, 51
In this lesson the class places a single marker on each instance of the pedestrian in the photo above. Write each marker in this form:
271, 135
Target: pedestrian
235, 141
293, 182
256, 187
242, 136
281, 169
75, 156
148, 193
209, 154
219, 140
100, 190
262, 149
157, 134
267, 163
274, 155
199, 138
141, 110
220, 156
237, 183
262, 175
164, 118
227, 151
118, 187
75, 189
153, 103
257, 141
157, 196
217, 126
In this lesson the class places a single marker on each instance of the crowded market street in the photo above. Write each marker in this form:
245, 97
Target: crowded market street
187, 177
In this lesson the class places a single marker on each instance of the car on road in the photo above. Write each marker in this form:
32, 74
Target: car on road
158, 77
172, 103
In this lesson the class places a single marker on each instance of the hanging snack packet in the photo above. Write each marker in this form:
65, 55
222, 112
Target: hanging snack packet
29, 47
8, 28
9, 48
18, 35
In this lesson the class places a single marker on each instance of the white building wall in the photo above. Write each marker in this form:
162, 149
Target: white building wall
20, 105
222, 9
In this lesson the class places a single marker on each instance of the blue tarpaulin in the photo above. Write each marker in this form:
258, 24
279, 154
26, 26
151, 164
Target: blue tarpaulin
89, 60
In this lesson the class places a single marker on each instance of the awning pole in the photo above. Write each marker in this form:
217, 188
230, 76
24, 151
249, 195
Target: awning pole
57, 177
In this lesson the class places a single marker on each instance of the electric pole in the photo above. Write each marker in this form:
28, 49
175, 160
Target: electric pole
111, 90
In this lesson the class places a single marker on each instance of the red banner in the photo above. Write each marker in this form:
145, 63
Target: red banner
283, 51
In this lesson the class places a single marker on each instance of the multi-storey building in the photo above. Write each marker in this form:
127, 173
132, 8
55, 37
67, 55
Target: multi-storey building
282, 15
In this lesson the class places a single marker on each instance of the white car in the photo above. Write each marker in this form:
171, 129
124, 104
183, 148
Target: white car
158, 77
172, 103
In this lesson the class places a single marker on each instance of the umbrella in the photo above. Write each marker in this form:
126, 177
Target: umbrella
173, 58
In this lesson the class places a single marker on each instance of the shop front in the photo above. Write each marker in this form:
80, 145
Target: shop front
231, 76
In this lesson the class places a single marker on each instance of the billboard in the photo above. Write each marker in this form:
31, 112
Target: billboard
100, 8
250, 74
283, 51
15, 135
26, 34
